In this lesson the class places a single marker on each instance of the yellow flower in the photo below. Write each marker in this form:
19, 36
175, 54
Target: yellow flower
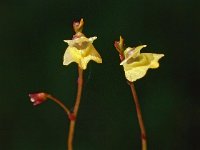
136, 64
81, 51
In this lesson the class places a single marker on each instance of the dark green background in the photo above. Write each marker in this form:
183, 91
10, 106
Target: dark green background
31, 53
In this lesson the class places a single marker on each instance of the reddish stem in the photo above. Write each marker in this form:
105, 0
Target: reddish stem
75, 111
57, 101
139, 115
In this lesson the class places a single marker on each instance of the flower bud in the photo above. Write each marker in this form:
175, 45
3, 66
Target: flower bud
119, 45
78, 26
38, 98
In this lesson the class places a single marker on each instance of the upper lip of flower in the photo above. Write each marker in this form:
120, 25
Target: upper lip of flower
81, 42
132, 53
77, 40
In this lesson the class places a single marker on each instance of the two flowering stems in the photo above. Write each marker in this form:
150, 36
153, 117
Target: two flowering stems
81, 50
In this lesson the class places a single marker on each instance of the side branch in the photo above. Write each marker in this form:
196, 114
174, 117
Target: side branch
59, 103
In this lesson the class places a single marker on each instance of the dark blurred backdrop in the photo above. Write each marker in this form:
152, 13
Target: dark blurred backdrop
31, 55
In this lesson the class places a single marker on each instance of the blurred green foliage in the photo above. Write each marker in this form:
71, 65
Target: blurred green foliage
31, 52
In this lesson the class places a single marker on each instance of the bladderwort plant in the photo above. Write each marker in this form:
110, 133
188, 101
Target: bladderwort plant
135, 66
80, 50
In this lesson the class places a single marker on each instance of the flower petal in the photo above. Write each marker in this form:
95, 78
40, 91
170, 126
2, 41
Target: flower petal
67, 57
80, 40
92, 39
136, 73
132, 53
154, 63
138, 67
92, 55
81, 57
81, 51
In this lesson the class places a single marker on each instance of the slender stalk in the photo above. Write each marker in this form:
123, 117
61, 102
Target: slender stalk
139, 115
75, 111
59, 103
119, 45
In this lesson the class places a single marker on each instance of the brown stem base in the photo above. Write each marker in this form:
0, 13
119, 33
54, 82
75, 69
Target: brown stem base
139, 116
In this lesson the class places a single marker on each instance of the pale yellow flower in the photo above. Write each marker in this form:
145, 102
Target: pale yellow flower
81, 51
136, 64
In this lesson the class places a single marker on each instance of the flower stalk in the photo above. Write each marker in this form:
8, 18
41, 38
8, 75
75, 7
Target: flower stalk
119, 45
57, 101
75, 111
139, 116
